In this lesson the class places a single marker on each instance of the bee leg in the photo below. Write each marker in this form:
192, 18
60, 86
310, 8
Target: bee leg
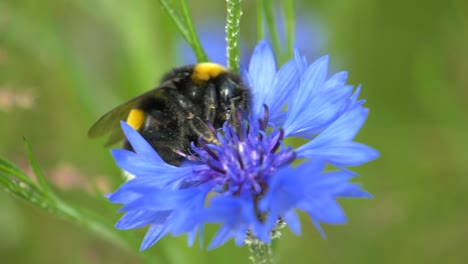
240, 108
210, 100
236, 115
201, 129
159, 132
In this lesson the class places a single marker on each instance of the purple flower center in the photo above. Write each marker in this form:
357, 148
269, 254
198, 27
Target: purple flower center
247, 155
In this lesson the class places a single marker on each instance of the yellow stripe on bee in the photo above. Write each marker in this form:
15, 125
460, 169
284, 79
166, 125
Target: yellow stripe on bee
136, 118
205, 71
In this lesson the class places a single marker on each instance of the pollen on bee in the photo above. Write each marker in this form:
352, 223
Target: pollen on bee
135, 118
206, 70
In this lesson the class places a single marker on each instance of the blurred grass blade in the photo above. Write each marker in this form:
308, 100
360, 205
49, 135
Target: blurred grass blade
185, 27
289, 26
270, 18
167, 6
37, 171
234, 13
17, 183
196, 45
8, 168
260, 20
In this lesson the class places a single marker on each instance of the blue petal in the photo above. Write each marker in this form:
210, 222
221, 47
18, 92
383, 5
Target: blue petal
286, 190
188, 216
140, 166
334, 144
346, 127
338, 185
354, 98
245, 77
331, 180
354, 191
301, 61
154, 234
237, 215
340, 154
318, 227
164, 199
160, 174
314, 77
122, 197
137, 188
139, 144
322, 109
201, 237
324, 209
272, 218
177, 214
222, 236
311, 83
337, 79
136, 219
292, 220
285, 81
262, 70
225, 210
191, 236
239, 237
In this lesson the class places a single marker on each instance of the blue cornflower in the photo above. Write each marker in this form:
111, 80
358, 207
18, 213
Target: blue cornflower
247, 182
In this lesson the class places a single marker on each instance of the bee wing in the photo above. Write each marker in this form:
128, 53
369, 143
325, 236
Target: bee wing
116, 135
110, 122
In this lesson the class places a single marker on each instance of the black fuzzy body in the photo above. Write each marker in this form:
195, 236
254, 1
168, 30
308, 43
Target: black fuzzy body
177, 113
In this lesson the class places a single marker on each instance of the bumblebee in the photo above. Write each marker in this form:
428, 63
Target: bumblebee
179, 110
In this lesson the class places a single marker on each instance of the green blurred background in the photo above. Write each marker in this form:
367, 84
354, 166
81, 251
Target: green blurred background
64, 63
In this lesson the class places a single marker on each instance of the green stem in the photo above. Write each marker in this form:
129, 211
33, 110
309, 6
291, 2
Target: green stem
196, 45
289, 21
103, 230
234, 12
260, 253
94, 226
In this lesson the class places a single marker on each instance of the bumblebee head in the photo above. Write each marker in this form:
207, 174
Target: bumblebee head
232, 95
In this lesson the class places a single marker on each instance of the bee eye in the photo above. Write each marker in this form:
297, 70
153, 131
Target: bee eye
226, 91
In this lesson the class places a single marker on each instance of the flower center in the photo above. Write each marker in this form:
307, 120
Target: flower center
247, 155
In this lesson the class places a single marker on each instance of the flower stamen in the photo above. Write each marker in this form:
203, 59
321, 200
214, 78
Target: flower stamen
246, 159
205, 147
